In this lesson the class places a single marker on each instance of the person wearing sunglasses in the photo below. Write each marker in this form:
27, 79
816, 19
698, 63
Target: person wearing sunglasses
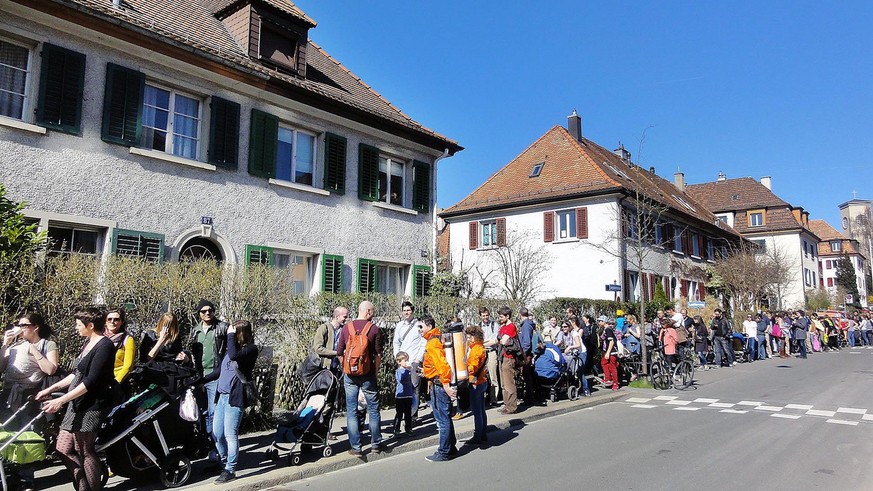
208, 346
125, 351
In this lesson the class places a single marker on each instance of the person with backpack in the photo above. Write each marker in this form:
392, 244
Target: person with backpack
125, 351
511, 357
360, 346
478, 379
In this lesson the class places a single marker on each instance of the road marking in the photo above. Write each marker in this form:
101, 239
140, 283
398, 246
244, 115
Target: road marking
854, 352
851, 410
733, 411
769, 408
679, 403
666, 398
786, 416
703, 399
842, 422
750, 403
722, 404
805, 407
643, 399
644, 406
817, 412
681, 408
867, 417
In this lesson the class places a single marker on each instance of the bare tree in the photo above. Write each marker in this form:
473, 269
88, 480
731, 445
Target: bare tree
782, 272
519, 267
749, 275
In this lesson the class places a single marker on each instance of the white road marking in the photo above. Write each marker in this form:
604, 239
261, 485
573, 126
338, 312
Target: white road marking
679, 403
703, 399
644, 406
867, 417
805, 407
817, 412
750, 403
842, 422
732, 411
786, 416
851, 410
642, 399
769, 408
722, 404
681, 408
666, 398
854, 352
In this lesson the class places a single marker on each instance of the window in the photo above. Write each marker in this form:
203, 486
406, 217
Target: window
633, 230
144, 245
836, 246
695, 245
684, 203
805, 249
489, 233
170, 122
828, 264
565, 227
762, 245
659, 234
535, 172
277, 46
756, 219
301, 265
391, 180
14, 79
710, 248
295, 155
830, 282
422, 277
375, 277
677, 240
632, 288
64, 240
722, 218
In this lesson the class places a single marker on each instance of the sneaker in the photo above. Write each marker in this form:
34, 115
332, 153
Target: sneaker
377, 449
355, 453
734, 363
436, 457
587, 393
226, 476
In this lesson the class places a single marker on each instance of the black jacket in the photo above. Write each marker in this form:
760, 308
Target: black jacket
245, 357
98, 376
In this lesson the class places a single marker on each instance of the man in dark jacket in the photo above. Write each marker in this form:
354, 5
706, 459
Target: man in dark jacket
208, 345
799, 330
721, 340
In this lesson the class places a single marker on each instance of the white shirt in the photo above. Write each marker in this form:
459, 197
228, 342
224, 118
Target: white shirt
407, 338
751, 328
677, 319
490, 329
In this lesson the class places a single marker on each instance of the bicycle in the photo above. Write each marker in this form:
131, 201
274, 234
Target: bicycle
683, 374
663, 376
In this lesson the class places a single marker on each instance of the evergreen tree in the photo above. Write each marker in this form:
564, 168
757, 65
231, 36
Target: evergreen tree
846, 276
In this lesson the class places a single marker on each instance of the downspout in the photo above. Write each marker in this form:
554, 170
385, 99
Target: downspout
433, 191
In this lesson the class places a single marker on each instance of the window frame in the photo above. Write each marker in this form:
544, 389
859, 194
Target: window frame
170, 130
571, 225
404, 168
27, 107
99, 245
296, 130
836, 246
752, 214
492, 224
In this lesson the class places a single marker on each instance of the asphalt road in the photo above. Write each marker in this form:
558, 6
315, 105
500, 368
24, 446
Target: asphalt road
773, 424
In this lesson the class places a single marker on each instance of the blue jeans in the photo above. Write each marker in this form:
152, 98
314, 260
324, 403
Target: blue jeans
477, 407
762, 347
210, 388
580, 371
752, 347
354, 384
226, 431
441, 404
852, 338
633, 345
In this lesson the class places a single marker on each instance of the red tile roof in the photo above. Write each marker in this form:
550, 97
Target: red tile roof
283, 5
828, 234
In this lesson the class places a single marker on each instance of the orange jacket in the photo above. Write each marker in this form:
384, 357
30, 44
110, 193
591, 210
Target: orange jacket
435, 364
476, 360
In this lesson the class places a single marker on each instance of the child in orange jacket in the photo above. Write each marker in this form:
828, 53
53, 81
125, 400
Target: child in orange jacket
478, 378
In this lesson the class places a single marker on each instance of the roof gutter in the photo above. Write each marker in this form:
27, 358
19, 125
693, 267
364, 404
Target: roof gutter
433, 188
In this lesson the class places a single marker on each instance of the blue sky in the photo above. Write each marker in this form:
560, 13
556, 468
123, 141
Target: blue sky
749, 88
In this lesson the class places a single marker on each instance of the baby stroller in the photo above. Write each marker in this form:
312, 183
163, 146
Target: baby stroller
20, 446
145, 433
738, 345
308, 426
552, 372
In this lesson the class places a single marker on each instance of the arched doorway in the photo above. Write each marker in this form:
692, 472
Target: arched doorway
200, 248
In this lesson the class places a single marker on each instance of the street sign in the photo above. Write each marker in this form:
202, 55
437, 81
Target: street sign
613, 288
696, 305
849, 299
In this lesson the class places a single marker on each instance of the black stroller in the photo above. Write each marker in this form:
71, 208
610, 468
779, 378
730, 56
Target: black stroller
145, 433
308, 426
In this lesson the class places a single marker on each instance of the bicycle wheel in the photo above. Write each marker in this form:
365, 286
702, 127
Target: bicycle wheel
659, 376
683, 375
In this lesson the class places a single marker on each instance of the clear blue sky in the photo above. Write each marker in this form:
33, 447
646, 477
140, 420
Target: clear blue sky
749, 88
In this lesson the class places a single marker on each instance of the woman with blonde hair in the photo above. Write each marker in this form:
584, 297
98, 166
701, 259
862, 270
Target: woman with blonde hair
163, 343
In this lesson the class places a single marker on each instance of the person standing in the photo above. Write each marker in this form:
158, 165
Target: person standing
360, 346
526, 331
800, 328
326, 338
403, 394
490, 329
721, 339
235, 369
439, 378
116, 330
476, 363
750, 328
576, 348
701, 336
407, 337
208, 347
609, 361
510, 351
91, 396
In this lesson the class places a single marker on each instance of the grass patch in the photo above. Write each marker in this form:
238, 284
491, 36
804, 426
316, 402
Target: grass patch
641, 383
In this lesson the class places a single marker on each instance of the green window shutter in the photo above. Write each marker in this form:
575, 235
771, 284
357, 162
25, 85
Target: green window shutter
335, 163
332, 273
366, 276
263, 142
224, 133
59, 104
122, 105
421, 186
421, 277
259, 255
368, 173
132, 243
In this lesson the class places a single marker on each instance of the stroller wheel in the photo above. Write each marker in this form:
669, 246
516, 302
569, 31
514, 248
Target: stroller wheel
327, 451
573, 393
294, 459
175, 470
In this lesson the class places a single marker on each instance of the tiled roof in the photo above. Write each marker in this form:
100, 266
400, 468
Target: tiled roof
776, 219
192, 23
743, 193
827, 234
571, 169
286, 6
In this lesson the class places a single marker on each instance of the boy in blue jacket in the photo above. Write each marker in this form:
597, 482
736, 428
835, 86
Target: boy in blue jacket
403, 394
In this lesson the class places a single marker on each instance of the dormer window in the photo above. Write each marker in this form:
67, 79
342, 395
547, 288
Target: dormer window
836, 246
277, 46
535, 172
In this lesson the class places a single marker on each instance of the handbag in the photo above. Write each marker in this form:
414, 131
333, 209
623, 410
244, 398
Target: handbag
188, 409
251, 391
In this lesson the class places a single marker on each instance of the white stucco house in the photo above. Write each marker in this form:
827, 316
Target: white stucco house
169, 129
575, 202
751, 208
833, 247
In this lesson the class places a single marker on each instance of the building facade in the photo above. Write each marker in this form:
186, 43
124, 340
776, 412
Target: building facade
833, 248
856, 222
180, 129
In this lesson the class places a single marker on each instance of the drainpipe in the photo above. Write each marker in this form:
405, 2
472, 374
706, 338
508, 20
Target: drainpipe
433, 190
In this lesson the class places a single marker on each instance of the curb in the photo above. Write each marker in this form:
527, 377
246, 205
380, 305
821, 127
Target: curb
342, 460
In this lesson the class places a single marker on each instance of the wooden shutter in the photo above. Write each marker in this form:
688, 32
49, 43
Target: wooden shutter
474, 235
701, 290
582, 223
665, 282
335, 163
263, 143
683, 288
224, 133
700, 244
501, 232
122, 105
421, 186
259, 255
670, 236
61, 82
132, 243
331, 273
368, 173
421, 276
549, 226
366, 276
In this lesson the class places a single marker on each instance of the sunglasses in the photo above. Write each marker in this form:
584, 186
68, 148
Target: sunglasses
207, 311
113, 319
24, 324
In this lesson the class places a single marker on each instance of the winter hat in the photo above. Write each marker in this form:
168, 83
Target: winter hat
204, 303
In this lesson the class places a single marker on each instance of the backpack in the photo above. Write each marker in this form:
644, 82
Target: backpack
356, 360
681, 335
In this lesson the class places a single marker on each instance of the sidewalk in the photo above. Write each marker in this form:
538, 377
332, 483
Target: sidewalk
254, 473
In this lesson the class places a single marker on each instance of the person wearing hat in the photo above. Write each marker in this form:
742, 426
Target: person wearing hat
208, 346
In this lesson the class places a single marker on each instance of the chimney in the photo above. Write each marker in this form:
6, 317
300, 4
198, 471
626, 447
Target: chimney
574, 125
721, 176
622, 153
767, 182
679, 181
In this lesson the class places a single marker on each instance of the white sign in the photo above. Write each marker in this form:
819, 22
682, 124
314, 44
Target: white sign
696, 305
849, 299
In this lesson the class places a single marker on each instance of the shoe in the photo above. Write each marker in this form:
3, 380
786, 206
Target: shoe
734, 363
436, 457
453, 451
587, 393
407, 433
458, 416
504, 411
615, 387
355, 453
225, 476
377, 449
